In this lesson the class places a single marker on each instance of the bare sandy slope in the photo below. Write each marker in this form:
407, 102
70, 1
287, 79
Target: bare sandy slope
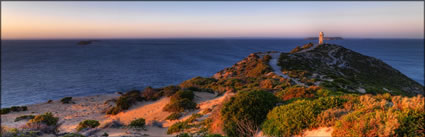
319, 132
89, 107
93, 107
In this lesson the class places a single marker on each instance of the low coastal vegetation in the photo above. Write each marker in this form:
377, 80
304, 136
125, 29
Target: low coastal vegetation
310, 93
24, 117
13, 109
125, 101
66, 100
174, 116
181, 101
184, 125
244, 113
44, 123
87, 124
137, 123
73, 135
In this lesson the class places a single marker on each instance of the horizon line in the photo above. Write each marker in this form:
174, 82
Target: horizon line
199, 38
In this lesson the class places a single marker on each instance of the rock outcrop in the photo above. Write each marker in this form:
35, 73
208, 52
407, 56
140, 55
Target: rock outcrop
336, 67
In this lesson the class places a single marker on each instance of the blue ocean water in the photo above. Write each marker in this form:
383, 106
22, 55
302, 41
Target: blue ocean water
34, 71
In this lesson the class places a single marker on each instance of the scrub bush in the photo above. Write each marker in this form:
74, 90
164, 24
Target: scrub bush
174, 116
293, 118
125, 101
66, 100
377, 117
28, 117
180, 101
170, 90
243, 113
178, 127
45, 123
46, 118
13, 109
180, 105
137, 123
151, 94
87, 124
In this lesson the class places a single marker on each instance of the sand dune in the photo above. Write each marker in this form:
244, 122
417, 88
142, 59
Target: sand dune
93, 107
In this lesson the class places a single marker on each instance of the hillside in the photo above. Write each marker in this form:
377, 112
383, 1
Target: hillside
312, 90
330, 66
338, 68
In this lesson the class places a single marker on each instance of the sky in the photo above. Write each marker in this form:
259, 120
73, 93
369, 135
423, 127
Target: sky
190, 19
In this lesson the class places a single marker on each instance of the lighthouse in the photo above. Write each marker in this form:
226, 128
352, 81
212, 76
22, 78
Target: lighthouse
321, 35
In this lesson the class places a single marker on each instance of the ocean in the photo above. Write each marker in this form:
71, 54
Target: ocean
34, 71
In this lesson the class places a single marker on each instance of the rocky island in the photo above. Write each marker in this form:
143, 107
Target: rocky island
316, 90
86, 42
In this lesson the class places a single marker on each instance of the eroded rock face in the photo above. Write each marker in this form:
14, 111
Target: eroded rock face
350, 70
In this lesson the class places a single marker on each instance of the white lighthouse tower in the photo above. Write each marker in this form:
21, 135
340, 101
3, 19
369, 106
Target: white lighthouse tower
321, 35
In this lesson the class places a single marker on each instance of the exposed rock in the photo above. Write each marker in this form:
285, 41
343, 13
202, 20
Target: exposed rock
86, 42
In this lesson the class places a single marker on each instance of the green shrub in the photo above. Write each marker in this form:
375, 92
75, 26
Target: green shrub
113, 110
180, 105
259, 69
178, 127
151, 94
137, 123
125, 101
193, 117
182, 94
46, 118
133, 96
248, 108
170, 90
13, 109
72, 135
183, 135
18, 108
174, 116
288, 120
296, 92
328, 117
105, 134
197, 82
15, 132
44, 123
66, 100
406, 117
214, 135
28, 117
5, 110
293, 118
87, 124
200, 89
412, 123
180, 101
